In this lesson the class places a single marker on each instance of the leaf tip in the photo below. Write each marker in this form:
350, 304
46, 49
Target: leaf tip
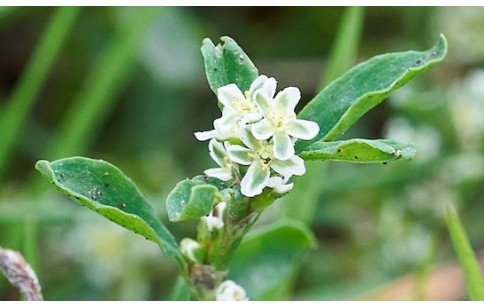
43, 166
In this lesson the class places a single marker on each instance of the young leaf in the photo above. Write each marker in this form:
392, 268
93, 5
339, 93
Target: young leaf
358, 151
266, 258
191, 199
348, 98
470, 265
104, 189
227, 63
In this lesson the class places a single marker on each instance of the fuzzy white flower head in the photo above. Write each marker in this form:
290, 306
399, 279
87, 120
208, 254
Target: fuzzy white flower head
259, 156
230, 291
280, 121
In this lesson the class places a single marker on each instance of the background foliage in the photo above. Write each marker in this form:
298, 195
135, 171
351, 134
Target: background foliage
127, 85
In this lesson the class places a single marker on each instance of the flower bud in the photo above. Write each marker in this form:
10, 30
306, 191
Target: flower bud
191, 250
230, 291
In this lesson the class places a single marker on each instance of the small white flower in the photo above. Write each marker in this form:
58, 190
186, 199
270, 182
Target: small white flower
220, 156
280, 121
230, 291
240, 107
190, 249
259, 156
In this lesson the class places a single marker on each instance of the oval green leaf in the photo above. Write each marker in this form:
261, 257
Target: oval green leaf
348, 98
267, 258
359, 151
104, 188
226, 64
192, 199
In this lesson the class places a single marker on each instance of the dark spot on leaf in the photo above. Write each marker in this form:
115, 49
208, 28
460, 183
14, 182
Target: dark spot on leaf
356, 156
215, 69
385, 162
418, 62
106, 185
339, 151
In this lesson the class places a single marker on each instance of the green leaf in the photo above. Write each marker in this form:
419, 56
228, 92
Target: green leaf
470, 265
268, 257
226, 64
358, 151
192, 199
104, 189
348, 98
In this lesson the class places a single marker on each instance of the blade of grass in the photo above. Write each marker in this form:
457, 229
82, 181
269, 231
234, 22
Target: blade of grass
28, 87
91, 106
345, 49
308, 187
343, 54
468, 261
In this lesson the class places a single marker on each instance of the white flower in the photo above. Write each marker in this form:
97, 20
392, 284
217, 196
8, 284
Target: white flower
190, 249
230, 291
220, 156
259, 156
280, 121
240, 107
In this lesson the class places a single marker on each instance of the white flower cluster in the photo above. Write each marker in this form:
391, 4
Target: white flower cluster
258, 130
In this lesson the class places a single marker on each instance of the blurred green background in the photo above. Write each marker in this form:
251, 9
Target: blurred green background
127, 85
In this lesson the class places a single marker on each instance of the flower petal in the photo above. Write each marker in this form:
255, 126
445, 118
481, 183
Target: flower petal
229, 94
217, 152
264, 102
290, 167
226, 126
203, 136
255, 179
248, 139
262, 130
251, 117
223, 174
270, 87
239, 154
257, 84
287, 99
283, 189
283, 147
302, 129
275, 181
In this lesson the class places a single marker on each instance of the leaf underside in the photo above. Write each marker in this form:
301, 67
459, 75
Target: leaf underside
337, 107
